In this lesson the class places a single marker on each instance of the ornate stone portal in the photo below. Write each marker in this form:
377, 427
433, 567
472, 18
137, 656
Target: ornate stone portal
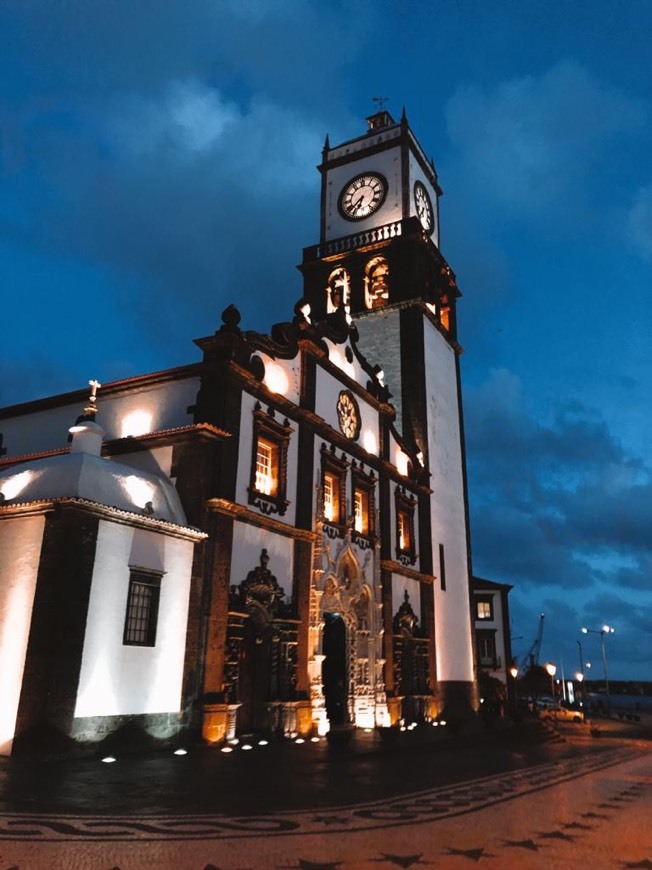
343, 587
411, 676
261, 666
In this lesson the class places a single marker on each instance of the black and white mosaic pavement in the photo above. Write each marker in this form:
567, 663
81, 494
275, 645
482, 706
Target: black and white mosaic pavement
411, 809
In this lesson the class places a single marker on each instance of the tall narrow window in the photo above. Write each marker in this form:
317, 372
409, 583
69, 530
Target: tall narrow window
266, 467
361, 512
333, 484
142, 608
331, 497
403, 531
405, 505
268, 481
364, 488
442, 568
486, 644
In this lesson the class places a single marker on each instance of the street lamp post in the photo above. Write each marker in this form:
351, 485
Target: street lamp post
579, 643
551, 669
606, 629
580, 675
513, 672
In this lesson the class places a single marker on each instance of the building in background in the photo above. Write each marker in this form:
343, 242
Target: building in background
492, 630
274, 538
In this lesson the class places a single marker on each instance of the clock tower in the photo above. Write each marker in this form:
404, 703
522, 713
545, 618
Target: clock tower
378, 256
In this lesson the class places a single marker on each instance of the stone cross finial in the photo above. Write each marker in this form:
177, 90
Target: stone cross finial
91, 408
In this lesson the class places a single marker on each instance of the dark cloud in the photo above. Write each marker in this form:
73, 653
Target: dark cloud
533, 142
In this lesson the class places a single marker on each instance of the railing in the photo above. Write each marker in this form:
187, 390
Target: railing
358, 240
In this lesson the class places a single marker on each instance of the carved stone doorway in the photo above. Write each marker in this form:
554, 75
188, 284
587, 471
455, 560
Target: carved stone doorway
335, 669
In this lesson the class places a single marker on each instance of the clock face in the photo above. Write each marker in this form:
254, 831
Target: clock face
423, 206
348, 415
362, 196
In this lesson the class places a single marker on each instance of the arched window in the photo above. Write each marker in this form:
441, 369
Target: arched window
338, 291
376, 283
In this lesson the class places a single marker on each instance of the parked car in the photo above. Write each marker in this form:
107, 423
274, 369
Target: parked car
564, 714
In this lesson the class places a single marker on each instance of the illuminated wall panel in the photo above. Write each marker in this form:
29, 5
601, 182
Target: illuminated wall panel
20, 549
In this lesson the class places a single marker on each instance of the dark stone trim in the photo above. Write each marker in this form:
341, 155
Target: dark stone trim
253, 518
58, 625
388, 646
459, 700
80, 397
413, 380
301, 595
405, 505
364, 482
405, 172
266, 427
442, 568
465, 484
215, 605
337, 466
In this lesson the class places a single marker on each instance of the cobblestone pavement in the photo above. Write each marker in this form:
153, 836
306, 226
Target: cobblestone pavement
580, 806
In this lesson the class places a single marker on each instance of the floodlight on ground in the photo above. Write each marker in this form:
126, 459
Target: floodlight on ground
180, 751
109, 759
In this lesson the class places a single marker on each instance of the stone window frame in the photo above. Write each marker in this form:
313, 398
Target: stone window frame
405, 504
338, 467
141, 612
365, 482
267, 428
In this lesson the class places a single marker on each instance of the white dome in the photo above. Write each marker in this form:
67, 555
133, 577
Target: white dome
93, 478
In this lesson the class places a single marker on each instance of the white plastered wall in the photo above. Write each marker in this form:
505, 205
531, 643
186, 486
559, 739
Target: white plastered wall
245, 458
128, 680
283, 376
133, 412
248, 542
452, 606
20, 551
328, 391
380, 340
401, 585
387, 163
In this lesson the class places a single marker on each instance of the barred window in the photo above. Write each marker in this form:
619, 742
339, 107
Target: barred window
142, 608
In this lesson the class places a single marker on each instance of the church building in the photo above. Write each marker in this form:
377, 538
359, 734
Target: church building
273, 539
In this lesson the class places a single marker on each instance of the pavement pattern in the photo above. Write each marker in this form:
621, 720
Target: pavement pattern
589, 807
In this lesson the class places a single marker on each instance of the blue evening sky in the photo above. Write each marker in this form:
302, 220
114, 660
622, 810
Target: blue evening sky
157, 161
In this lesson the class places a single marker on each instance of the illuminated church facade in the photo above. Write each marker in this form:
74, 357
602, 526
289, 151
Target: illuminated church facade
274, 538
